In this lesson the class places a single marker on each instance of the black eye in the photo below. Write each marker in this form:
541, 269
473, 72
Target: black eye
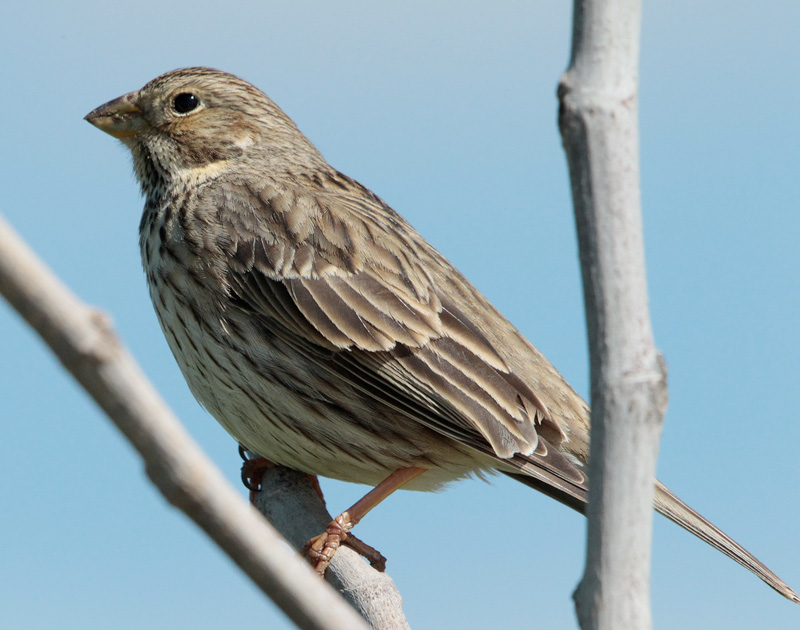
185, 102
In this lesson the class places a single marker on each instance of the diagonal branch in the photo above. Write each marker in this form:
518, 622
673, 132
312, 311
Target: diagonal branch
83, 340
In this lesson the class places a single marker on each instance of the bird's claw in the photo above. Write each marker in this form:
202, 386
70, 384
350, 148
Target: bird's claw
252, 471
321, 549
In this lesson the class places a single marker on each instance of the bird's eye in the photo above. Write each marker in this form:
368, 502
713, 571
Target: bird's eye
185, 102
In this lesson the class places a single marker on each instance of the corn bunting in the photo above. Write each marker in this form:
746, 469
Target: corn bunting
321, 330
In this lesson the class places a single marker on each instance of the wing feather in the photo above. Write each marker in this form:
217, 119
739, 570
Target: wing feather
316, 315
391, 332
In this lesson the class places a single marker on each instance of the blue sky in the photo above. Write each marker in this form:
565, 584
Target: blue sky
447, 110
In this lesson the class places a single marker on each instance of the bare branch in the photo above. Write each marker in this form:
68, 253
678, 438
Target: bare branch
290, 503
599, 125
83, 340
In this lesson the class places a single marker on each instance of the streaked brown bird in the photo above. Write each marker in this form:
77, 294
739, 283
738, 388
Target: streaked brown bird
321, 330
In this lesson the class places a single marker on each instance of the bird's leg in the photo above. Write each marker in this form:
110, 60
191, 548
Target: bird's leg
336, 534
320, 549
374, 556
314, 481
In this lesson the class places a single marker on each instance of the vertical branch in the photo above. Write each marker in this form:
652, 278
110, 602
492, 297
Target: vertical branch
599, 127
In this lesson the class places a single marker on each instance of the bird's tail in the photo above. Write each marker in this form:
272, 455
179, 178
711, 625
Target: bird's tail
677, 511
669, 505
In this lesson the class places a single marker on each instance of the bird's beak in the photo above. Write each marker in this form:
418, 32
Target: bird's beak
120, 118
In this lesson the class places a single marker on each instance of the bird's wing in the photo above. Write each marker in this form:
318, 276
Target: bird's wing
389, 330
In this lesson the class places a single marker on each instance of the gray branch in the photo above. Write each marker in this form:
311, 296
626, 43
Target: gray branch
599, 126
292, 505
83, 340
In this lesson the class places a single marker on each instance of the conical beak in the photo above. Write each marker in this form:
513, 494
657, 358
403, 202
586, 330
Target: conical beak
120, 118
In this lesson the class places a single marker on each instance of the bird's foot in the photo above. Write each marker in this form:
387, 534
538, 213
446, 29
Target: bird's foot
252, 471
321, 549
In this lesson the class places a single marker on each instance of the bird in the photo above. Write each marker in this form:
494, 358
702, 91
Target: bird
322, 331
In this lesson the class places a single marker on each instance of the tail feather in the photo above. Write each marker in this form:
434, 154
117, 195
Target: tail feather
674, 509
666, 503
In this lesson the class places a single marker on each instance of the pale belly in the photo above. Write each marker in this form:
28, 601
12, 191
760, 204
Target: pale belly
293, 411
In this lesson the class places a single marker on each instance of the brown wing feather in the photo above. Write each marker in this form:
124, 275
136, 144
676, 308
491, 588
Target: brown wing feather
400, 339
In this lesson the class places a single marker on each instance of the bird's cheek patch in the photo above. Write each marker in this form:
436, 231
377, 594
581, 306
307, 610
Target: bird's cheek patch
244, 141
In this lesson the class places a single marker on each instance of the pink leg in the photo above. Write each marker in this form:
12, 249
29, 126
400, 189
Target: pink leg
321, 549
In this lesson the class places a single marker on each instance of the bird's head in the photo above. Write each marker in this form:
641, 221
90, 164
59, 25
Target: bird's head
189, 125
